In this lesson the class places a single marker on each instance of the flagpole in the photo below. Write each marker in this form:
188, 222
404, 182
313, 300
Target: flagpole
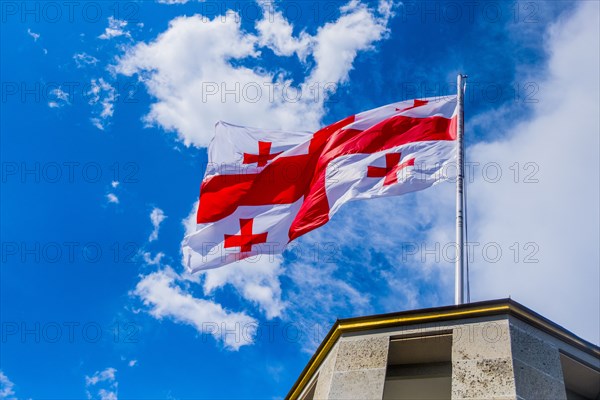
459, 297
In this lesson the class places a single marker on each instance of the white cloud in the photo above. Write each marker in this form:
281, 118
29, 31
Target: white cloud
6, 386
84, 59
132, 363
114, 184
159, 291
112, 198
34, 35
104, 394
60, 94
149, 260
58, 98
101, 91
107, 375
560, 213
97, 123
276, 372
104, 94
337, 43
157, 216
104, 383
116, 28
188, 70
386, 8
275, 32
257, 282
167, 295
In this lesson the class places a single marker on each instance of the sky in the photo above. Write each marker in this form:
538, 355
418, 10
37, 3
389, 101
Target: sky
106, 112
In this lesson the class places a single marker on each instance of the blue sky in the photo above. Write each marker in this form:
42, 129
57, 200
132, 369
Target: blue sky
106, 114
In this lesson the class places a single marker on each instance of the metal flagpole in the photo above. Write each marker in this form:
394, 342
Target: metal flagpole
459, 297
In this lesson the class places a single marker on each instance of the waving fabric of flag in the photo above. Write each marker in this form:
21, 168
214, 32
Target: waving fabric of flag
265, 188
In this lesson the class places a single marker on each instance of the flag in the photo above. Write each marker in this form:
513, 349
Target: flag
264, 188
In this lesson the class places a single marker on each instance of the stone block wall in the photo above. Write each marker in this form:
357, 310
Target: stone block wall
482, 362
359, 369
536, 362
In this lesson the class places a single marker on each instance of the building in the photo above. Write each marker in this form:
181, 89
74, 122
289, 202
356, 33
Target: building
488, 350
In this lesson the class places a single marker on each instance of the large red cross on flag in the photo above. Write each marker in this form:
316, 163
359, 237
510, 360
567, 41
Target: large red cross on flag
264, 188
246, 239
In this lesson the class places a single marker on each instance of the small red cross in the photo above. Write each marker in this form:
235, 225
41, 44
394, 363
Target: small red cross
246, 239
263, 156
416, 103
392, 166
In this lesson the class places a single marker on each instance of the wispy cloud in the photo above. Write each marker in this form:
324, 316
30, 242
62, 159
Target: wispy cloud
103, 94
152, 260
256, 281
112, 198
160, 292
157, 216
107, 375
83, 59
57, 98
104, 384
116, 27
167, 294
34, 35
317, 297
97, 122
276, 33
6, 387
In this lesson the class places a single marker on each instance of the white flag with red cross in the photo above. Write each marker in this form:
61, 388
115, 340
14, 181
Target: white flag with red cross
264, 188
